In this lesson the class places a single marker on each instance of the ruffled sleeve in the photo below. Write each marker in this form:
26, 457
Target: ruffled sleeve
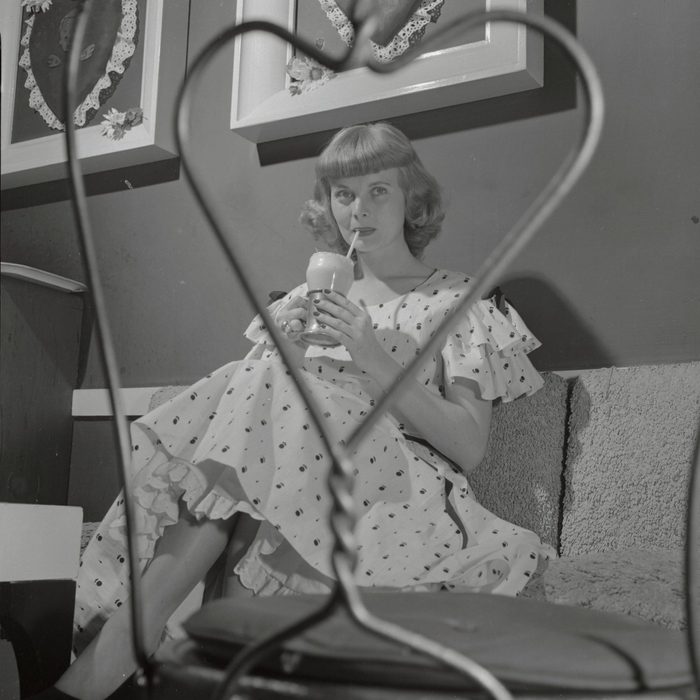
257, 332
491, 347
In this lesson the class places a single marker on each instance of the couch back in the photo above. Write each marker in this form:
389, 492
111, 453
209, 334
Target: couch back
521, 477
629, 454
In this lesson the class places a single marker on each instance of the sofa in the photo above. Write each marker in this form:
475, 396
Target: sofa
597, 464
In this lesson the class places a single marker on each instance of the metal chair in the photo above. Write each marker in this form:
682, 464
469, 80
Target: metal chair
353, 645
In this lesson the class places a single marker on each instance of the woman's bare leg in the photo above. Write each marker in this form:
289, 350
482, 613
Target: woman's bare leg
223, 582
184, 554
243, 536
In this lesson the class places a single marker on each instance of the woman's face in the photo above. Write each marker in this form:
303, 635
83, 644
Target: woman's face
372, 205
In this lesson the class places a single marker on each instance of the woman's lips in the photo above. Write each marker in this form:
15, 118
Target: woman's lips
364, 231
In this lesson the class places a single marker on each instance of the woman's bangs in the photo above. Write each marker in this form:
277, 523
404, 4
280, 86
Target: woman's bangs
359, 158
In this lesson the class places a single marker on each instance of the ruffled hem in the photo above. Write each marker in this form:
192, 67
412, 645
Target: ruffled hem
265, 580
272, 567
158, 501
491, 348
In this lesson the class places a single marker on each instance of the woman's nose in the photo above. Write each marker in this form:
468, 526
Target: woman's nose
359, 207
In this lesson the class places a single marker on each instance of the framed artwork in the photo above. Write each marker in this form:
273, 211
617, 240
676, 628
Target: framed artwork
277, 94
132, 64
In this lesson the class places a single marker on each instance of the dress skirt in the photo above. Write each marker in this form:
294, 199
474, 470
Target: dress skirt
241, 440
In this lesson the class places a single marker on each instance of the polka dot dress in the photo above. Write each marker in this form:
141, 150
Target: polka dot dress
240, 440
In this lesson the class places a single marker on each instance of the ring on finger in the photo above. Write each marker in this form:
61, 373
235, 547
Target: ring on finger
284, 326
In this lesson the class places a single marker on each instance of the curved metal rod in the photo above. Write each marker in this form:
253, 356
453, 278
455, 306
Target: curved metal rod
104, 335
511, 245
691, 577
341, 480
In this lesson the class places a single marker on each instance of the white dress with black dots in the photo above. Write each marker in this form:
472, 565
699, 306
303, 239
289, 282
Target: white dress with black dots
240, 440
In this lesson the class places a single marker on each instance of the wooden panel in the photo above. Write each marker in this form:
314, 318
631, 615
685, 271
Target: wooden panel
39, 345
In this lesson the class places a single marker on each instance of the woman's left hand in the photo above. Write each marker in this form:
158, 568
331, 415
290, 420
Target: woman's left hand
351, 326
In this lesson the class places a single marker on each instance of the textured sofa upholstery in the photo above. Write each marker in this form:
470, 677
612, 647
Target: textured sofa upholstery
520, 478
614, 506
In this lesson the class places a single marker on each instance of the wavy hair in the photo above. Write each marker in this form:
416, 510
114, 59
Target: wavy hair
369, 148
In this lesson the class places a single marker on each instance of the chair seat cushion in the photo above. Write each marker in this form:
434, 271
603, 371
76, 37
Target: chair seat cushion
527, 644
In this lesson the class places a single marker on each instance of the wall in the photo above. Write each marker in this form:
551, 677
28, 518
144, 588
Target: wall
611, 279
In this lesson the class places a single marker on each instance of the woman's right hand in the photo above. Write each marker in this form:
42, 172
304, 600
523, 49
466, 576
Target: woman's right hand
291, 317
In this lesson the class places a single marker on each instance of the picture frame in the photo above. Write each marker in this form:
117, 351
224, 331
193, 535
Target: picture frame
508, 60
43, 159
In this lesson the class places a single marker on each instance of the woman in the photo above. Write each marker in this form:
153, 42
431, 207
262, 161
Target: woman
234, 467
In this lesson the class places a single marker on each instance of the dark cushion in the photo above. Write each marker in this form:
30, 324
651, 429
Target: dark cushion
527, 644
520, 477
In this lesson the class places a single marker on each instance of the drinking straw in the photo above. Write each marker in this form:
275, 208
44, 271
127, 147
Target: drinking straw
352, 245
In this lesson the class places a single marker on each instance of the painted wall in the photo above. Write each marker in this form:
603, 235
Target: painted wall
611, 280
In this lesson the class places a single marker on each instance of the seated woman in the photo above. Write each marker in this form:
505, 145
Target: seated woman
234, 466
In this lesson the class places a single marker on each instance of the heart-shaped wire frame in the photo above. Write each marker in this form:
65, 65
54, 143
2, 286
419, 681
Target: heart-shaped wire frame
343, 518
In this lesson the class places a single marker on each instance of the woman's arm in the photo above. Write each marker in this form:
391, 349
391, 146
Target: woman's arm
458, 425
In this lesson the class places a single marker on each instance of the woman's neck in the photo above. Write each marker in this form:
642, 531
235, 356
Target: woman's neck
382, 280
391, 264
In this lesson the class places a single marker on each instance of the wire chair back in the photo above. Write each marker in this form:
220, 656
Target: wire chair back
345, 594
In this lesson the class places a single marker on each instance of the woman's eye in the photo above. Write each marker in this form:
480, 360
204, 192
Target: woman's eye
379, 190
343, 196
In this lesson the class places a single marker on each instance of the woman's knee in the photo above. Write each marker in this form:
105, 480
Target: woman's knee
182, 558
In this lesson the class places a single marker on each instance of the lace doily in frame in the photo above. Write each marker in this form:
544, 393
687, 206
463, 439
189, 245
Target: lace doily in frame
410, 34
122, 51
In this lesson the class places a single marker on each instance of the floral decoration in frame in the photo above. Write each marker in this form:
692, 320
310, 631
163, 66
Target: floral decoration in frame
138, 131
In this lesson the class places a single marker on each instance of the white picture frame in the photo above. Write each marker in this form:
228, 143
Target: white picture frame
508, 60
43, 159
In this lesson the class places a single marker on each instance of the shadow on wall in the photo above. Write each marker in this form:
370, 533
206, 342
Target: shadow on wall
567, 340
579, 419
118, 180
558, 94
